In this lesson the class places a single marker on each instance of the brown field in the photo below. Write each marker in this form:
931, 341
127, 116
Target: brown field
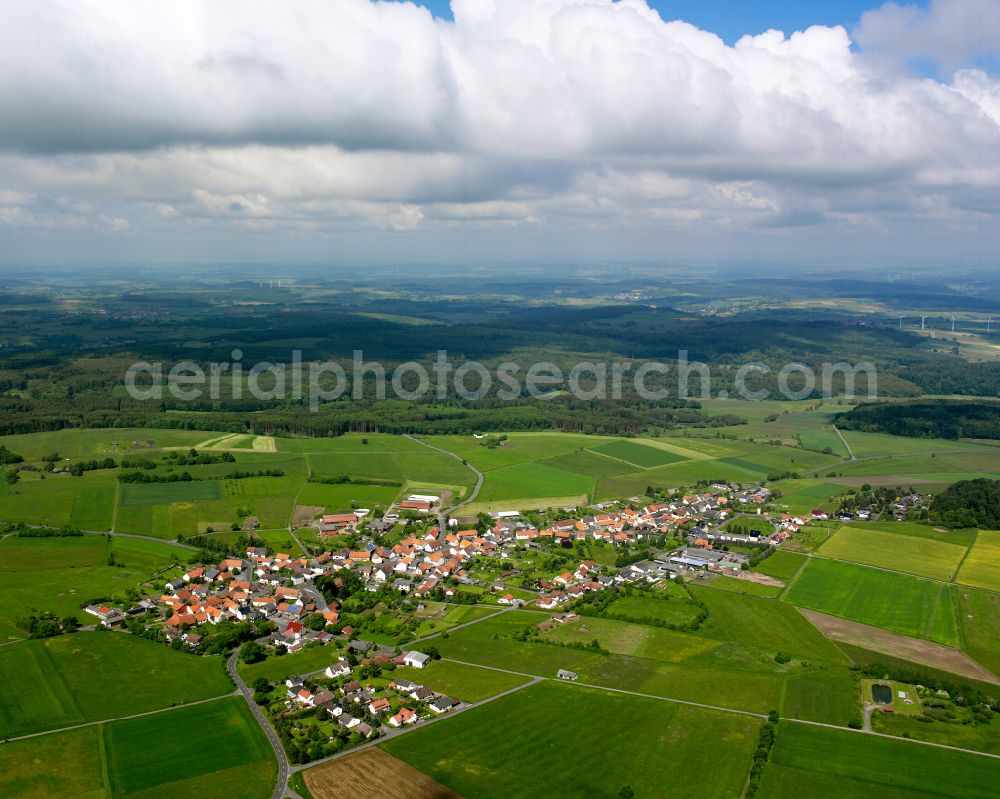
375, 775
304, 514
930, 654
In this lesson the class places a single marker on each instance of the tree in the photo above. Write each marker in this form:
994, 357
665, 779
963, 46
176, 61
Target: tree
626, 792
252, 652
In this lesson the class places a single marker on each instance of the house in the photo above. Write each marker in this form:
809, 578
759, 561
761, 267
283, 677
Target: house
416, 659
378, 706
334, 522
340, 669
562, 674
442, 704
364, 730
404, 716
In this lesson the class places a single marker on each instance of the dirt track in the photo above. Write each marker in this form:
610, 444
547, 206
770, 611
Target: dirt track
930, 654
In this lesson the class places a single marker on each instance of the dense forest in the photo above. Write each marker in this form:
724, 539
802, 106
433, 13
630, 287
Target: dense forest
952, 419
969, 503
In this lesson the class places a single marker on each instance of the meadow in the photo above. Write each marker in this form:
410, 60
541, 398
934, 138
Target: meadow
767, 624
979, 616
636, 640
667, 609
981, 568
919, 556
893, 601
58, 575
57, 682
818, 761
782, 565
459, 681
643, 743
153, 756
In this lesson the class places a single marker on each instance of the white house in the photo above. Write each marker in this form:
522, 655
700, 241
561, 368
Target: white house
416, 659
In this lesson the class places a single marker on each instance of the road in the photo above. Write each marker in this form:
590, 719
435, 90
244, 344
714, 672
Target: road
113, 534
850, 452
281, 785
444, 512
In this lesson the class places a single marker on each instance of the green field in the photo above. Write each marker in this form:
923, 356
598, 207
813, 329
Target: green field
896, 602
982, 566
782, 565
636, 640
814, 761
146, 758
139, 494
725, 583
466, 683
71, 679
919, 556
533, 480
979, 617
643, 743
764, 623
153, 756
640, 608
58, 575
638, 454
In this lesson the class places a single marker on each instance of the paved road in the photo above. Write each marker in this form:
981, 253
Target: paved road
154, 539
281, 786
120, 718
475, 491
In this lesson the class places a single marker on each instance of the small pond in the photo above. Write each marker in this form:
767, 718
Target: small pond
882, 694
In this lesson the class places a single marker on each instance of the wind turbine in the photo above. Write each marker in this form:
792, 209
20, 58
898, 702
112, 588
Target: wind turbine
953, 323
901, 323
989, 319
922, 320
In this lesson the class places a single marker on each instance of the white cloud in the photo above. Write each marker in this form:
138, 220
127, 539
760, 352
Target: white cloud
331, 116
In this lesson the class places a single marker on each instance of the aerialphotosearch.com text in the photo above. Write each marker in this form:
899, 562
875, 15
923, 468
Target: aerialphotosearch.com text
321, 382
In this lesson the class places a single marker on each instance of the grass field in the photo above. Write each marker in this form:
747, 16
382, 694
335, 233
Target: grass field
979, 617
828, 695
153, 756
466, 683
638, 454
981, 568
919, 556
814, 761
642, 743
533, 480
636, 640
896, 602
57, 682
638, 608
737, 586
782, 565
57, 575
764, 623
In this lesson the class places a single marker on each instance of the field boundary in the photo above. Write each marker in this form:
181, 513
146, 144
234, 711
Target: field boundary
121, 718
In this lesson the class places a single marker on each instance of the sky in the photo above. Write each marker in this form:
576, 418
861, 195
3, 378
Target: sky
831, 132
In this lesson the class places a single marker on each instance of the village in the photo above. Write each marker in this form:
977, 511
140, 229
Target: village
284, 604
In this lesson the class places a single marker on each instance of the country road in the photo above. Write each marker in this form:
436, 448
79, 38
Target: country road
281, 785
475, 491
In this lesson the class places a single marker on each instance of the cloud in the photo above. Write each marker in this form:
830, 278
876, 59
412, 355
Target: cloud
326, 117
950, 33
